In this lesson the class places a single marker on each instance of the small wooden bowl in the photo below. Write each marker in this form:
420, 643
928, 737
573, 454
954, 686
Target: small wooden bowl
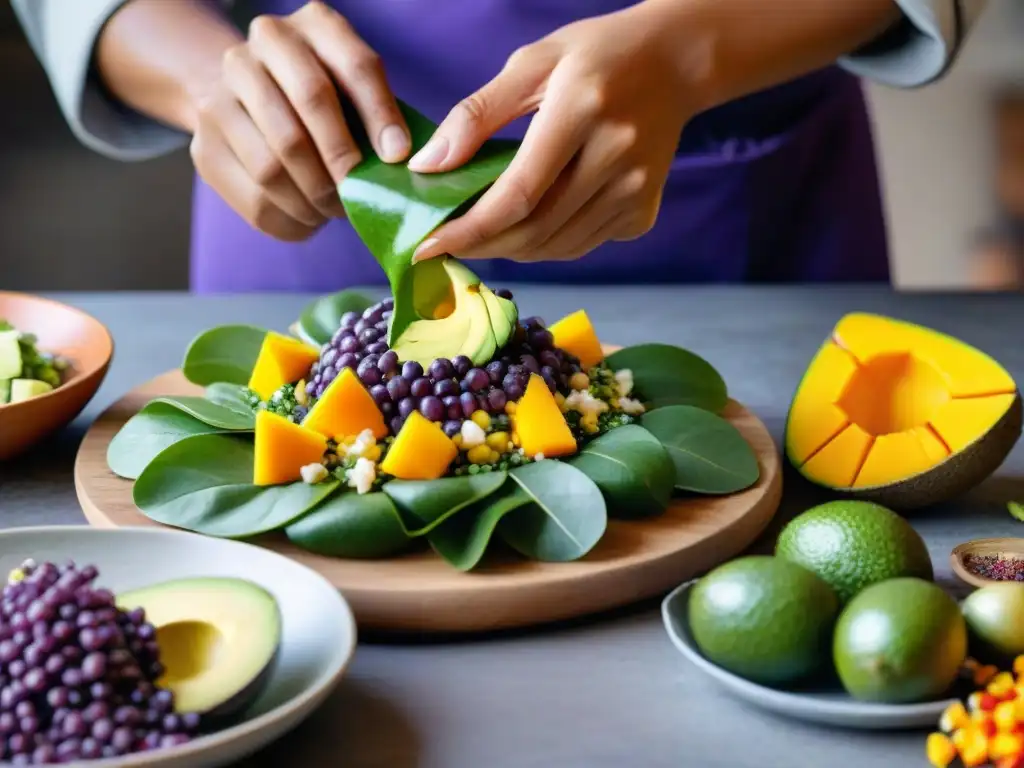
1002, 547
70, 333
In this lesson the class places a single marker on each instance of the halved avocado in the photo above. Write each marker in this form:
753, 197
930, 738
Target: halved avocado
899, 414
26, 389
218, 639
11, 362
477, 325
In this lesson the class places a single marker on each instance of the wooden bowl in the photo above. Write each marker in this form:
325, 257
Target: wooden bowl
62, 330
1003, 547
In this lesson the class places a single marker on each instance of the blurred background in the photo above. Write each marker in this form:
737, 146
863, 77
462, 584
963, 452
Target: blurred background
952, 158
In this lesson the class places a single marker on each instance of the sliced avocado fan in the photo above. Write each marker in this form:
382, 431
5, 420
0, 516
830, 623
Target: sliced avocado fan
393, 209
479, 323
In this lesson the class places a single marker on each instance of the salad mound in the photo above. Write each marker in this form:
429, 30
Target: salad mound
330, 436
25, 370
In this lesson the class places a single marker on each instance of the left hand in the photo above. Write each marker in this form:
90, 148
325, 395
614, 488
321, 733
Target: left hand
610, 109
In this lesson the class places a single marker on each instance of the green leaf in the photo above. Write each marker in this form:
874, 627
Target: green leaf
322, 317
566, 515
425, 504
1016, 510
462, 539
632, 468
146, 434
204, 484
233, 396
667, 375
710, 454
226, 353
394, 209
209, 412
358, 526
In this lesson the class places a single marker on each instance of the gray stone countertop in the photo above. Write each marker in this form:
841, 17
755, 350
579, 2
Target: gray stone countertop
609, 691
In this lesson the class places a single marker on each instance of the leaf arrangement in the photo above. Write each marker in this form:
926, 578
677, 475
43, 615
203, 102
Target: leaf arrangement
191, 460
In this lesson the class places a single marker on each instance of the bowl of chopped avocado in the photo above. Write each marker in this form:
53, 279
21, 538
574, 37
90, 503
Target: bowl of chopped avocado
53, 358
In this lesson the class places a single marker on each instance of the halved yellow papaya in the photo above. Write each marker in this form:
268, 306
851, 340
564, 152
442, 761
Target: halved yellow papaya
345, 408
540, 424
421, 451
282, 449
282, 360
901, 414
576, 335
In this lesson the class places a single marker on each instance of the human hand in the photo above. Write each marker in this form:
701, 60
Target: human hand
270, 136
591, 167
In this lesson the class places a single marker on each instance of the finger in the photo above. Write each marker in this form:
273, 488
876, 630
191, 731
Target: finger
359, 72
264, 168
284, 133
578, 241
581, 181
313, 96
514, 92
551, 141
218, 166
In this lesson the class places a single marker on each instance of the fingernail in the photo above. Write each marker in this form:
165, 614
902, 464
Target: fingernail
394, 143
431, 155
424, 248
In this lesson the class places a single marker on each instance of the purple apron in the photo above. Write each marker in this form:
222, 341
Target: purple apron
780, 186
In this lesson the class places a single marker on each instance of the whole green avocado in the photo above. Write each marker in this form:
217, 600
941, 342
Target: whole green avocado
765, 619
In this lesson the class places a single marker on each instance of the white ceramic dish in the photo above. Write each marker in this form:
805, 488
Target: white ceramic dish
318, 629
825, 706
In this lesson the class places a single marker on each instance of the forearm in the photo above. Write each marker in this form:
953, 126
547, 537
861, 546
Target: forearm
158, 57
730, 48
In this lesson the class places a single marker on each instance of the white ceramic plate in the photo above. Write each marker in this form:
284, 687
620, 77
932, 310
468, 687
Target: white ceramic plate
318, 629
826, 706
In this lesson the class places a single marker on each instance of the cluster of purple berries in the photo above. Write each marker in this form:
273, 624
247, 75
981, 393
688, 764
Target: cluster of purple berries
77, 674
449, 391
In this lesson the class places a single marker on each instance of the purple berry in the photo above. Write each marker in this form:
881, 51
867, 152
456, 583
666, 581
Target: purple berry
462, 364
452, 427
398, 387
388, 362
469, 404
432, 408
497, 399
441, 369
446, 387
477, 379
406, 406
421, 387
411, 370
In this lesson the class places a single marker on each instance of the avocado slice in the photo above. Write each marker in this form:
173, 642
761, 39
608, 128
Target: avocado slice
26, 389
218, 637
10, 355
477, 326
5, 391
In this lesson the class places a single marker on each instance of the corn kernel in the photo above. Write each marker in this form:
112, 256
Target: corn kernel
1014, 761
954, 717
515, 440
560, 400
495, 457
1005, 745
590, 427
1018, 666
579, 380
372, 453
980, 701
985, 674
300, 392
1000, 685
457, 439
983, 721
479, 454
482, 419
940, 750
498, 440
510, 407
972, 746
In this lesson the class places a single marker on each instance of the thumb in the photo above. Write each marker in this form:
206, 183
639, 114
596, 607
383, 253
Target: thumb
514, 92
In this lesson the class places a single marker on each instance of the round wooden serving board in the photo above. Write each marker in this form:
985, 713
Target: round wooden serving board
421, 593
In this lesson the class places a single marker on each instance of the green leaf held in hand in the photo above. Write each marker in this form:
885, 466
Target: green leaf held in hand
1016, 510
633, 470
352, 525
393, 209
146, 434
322, 317
226, 353
565, 518
462, 539
204, 484
667, 375
710, 454
233, 396
209, 412
424, 504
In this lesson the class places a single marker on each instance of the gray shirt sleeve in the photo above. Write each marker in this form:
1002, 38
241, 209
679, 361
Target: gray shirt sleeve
63, 34
922, 47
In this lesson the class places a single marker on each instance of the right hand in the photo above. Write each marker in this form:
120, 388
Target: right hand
270, 136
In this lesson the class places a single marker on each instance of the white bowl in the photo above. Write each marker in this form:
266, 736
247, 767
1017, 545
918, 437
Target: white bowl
318, 629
